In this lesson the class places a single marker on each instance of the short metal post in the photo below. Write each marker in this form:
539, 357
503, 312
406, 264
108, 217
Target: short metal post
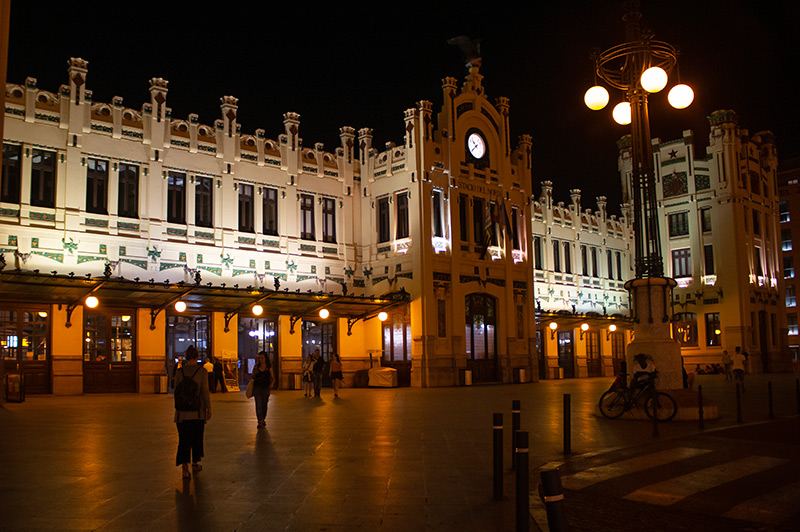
497, 454
515, 426
523, 497
769, 392
567, 423
797, 393
701, 424
553, 497
656, 433
738, 403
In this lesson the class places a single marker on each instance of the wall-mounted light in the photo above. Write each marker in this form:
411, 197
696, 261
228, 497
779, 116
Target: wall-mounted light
553, 327
584, 328
324, 313
180, 306
257, 310
383, 316
91, 302
611, 328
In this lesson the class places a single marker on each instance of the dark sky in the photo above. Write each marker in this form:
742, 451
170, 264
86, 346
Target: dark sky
362, 64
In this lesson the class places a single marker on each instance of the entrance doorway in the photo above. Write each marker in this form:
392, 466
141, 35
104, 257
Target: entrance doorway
25, 344
397, 345
481, 338
617, 350
185, 330
566, 354
594, 363
109, 357
320, 335
256, 335
541, 354
763, 339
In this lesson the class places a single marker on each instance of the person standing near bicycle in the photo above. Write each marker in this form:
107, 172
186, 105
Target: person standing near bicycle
643, 371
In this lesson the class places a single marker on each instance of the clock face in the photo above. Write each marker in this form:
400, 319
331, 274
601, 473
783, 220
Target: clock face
476, 145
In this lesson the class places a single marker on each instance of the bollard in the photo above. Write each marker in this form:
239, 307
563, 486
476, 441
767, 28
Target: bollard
769, 393
523, 497
797, 393
497, 454
567, 424
738, 403
700, 421
553, 497
656, 434
515, 426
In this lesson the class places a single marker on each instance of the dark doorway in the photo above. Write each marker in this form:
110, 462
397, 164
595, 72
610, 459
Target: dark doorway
481, 337
25, 344
566, 354
397, 345
320, 335
109, 354
763, 340
541, 354
184, 330
617, 350
594, 362
256, 335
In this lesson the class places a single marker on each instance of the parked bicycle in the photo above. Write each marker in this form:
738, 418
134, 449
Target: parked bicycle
621, 398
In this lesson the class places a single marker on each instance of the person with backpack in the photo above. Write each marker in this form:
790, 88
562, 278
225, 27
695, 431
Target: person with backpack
192, 410
263, 379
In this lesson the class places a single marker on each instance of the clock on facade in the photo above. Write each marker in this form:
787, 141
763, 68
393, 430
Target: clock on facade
476, 145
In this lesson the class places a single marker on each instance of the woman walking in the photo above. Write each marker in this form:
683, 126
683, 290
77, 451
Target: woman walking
192, 410
263, 379
336, 374
308, 375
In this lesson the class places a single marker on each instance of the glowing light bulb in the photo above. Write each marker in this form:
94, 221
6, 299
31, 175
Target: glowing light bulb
92, 302
383, 316
596, 98
324, 313
585, 327
180, 306
654, 79
257, 310
680, 96
612, 327
622, 113
553, 325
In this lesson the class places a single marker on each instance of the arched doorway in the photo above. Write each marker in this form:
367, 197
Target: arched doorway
481, 337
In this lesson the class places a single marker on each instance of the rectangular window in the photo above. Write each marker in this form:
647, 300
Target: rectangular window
537, 252
791, 298
176, 198
772, 331
402, 215
705, 219
384, 231
43, 178
556, 256
567, 257
678, 224
463, 218
584, 261
438, 226
791, 322
595, 267
708, 252
329, 220
713, 330
610, 264
96, 186
307, 217
788, 267
270, 225
477, 220
784, 211
759, 268
12, 168
619, 265
128, 194
756, 222
246, 209
681, 263
786, 239
515, 236
203, 201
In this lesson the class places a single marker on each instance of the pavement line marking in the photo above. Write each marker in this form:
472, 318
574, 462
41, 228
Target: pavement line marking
594, 475
771, 508
673, 490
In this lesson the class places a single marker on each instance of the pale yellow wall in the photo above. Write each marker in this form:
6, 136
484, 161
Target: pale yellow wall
67, 351
151, 349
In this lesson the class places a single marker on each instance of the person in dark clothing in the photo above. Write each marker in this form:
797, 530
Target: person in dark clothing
263, 379
219, 376
191, 423
318, 367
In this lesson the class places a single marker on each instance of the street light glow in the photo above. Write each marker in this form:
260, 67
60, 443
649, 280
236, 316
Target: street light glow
596, 98
257, 310
92, 302
622, 113
324, 313
680, 96
180, 306
654, 79
383, 316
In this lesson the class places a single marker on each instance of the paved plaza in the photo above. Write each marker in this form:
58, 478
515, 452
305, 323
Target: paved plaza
396, 459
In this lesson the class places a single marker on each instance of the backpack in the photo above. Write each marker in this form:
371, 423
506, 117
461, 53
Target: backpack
187, 393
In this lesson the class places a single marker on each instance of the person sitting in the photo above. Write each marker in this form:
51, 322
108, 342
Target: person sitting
643, 371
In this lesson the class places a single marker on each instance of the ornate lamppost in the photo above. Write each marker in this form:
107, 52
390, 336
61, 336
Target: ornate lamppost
639, 67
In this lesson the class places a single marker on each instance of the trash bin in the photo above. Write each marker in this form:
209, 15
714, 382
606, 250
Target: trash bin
465, 377
161, 384
14, 387
519, 375
297, 381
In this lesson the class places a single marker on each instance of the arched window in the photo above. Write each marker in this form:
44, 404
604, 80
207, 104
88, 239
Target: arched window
481, 326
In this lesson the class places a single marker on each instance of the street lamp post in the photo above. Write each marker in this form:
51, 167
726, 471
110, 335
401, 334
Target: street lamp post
639, 67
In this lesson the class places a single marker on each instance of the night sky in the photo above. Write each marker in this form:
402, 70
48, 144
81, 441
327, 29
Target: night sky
362, 64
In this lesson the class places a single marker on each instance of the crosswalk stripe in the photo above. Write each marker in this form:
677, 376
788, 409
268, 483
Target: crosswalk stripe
771, 508
672, 490
632, 465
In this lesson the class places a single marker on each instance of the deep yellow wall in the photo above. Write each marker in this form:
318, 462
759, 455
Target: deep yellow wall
151, 349
224, 344
67, 351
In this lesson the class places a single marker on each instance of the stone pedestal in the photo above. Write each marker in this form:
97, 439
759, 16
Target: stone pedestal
651, 313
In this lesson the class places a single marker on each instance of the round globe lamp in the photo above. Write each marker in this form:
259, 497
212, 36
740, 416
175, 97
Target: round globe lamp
654, 79
258, 310
180, 306
324, 313
92, 302
382, 316
596, 98
680, 96
622, 113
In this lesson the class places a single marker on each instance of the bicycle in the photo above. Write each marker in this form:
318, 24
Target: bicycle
620, 398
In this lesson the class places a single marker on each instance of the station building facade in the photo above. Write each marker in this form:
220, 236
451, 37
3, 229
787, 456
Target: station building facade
144, 210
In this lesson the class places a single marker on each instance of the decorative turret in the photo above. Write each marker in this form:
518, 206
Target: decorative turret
575, 196
547, 194
291, 122
409, 117
347, 135
77, 79
158, 97
229, 106
364, 144
425, 114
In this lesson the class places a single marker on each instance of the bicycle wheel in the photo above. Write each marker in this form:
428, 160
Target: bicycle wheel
667, 406
612, 404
